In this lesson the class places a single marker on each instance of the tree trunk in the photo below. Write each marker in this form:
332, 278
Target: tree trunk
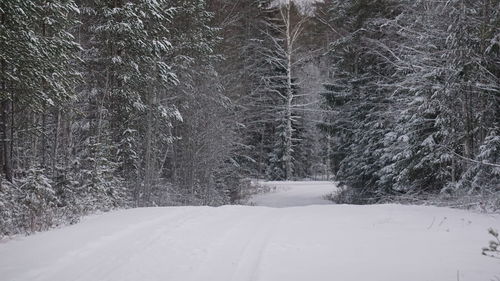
328, 154
148, 169
6, 156
468, 138
289, 99
56, 142
44, 140
262, 156
44, 115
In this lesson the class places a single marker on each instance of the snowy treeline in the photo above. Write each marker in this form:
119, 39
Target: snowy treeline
115, 103
111, 103
415, 86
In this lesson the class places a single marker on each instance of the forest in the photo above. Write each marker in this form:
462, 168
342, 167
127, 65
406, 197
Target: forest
110, 104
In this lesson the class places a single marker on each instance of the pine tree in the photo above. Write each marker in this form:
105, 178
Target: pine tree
437, 66
358, 96
126, 46
38, 56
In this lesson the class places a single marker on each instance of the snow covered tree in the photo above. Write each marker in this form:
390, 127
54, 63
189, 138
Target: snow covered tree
37, 56
357, 94
483, 174
126, 44
201, 161
284, 27
425, 86
260, 62
270, 108
444, 107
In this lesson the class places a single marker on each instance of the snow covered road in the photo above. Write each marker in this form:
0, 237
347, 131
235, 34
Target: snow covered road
294, 194
243, 243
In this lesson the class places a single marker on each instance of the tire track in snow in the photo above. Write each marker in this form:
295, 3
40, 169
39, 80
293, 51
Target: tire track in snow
164, 241
127, 256
219, 256
250, 261
179, 244
93, 258
228, 258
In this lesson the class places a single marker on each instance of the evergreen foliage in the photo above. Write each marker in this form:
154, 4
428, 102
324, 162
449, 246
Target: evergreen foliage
99, 99
124, 103
419, 110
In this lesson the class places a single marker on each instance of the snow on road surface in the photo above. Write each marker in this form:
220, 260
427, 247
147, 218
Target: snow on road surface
244, 243
292, 194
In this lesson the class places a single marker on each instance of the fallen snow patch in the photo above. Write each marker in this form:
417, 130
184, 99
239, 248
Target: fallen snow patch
232, 243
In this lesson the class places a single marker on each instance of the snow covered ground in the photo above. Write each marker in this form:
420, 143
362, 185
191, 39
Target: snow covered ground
294, 194
242, 243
